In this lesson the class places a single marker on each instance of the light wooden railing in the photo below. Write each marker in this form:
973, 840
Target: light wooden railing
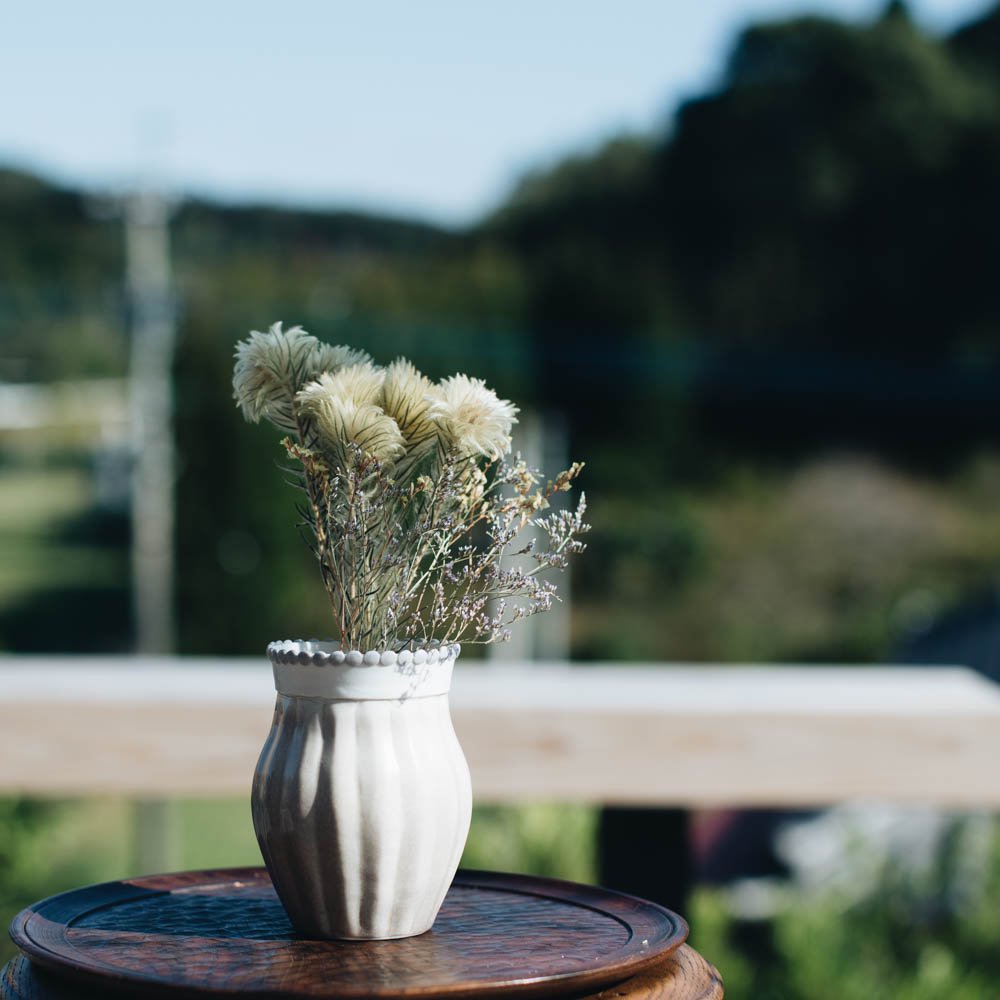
657, 734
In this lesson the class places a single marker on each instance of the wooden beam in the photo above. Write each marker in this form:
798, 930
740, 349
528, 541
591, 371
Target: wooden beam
653, 735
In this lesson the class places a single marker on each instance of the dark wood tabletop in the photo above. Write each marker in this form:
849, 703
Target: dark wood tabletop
224, 934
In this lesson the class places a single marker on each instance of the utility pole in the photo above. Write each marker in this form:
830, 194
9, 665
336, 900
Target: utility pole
153, 335
150, 411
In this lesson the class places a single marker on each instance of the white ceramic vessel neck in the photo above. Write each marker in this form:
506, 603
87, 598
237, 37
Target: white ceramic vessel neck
312, 668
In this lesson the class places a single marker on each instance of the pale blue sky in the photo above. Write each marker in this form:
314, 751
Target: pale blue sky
429, 107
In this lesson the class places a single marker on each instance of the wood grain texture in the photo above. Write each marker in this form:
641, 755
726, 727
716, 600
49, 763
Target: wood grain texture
657, 735
225, 934
683, 976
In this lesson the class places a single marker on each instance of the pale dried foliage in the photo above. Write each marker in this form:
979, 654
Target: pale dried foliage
414, 504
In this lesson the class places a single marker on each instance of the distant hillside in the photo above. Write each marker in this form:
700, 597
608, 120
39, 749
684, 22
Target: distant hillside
806, 250
62, 312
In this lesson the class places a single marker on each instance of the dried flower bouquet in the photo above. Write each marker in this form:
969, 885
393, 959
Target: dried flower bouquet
414, 504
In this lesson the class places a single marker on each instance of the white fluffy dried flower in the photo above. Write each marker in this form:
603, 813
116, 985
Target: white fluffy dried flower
360, 384
472, 417
406, 398
333, 357
413, 524
269, 368
341, 410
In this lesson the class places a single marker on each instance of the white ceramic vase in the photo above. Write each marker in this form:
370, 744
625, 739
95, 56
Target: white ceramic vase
361, 799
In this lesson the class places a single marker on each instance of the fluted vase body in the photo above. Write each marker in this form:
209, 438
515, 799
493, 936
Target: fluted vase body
361, 799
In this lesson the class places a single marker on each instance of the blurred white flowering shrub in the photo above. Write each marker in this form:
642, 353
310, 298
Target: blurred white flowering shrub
413, 503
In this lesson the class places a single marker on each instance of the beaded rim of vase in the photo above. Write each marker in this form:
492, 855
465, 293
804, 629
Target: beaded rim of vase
328, 652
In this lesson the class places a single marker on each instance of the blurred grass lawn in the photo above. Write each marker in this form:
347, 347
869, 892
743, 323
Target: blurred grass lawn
35, 503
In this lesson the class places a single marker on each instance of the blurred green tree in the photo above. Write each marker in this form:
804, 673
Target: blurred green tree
833, 192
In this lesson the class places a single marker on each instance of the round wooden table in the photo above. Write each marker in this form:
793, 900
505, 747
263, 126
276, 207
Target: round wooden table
224, 934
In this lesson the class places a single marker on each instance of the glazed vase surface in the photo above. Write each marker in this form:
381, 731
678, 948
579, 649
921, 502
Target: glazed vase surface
361, 798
